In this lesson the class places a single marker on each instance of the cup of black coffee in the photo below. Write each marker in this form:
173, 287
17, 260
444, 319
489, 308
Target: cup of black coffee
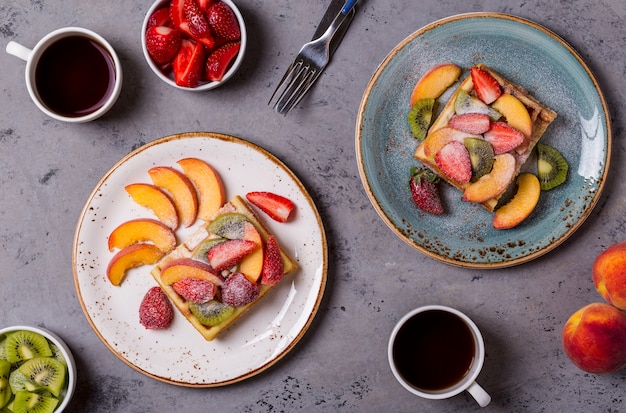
72, 74
437, 352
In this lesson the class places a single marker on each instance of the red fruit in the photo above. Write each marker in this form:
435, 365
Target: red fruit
177, 14
196, 290
187, 64
454, 161
162, 43
486, 87
277, 207
198, 25
424, 191
225, 255
273, 267
161, 17
155, 310
474, 123
219, 61
239, 290
204, 5
503, 137
223, 21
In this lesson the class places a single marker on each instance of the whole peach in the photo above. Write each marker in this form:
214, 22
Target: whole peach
609, 275
594, 338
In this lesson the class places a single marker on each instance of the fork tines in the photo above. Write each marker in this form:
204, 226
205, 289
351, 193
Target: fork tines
297, 80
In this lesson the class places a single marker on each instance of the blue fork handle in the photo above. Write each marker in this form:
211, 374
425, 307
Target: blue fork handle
346, 7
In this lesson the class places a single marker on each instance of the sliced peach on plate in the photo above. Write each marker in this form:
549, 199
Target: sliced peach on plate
131, 257
522, 204
155, 199
440, 138
141, 230
435, 81
252, 264
180, 188
494, 183
183, 268
211, 194
515, 113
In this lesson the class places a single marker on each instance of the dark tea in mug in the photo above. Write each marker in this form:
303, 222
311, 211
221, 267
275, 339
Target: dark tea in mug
75, 76
434, 350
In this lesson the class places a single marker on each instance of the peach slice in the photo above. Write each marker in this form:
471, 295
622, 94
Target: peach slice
211, 194
494, 183
182, 268
515, 113
435, 81
182, 191
140, 230
522, 204
441, 137
252, 264
155, 199
131, 257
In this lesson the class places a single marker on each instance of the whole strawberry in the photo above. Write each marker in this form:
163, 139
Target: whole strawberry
424, 191
155, 310
223, 21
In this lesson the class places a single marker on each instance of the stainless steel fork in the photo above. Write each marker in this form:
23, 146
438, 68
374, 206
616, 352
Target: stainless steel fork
308, 64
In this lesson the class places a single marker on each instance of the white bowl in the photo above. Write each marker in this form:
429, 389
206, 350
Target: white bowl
71, 364
203, 85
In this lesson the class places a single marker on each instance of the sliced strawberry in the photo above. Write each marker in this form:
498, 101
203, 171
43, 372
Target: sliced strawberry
239, 290
223, 21
227, 254
177, 13
219, 61
454, 161
198, 25
276, 206
195, 290
204, 5
162, 43
273, 267
474, 123
503, 137
161, 17
486, 87
187, 64
424, 191
155, 310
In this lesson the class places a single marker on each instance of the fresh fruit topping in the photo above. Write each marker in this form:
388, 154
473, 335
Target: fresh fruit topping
181, 190
252, 264
24, 345
515, 113
481, 156
227, 254
201, 250
466, 103
273, 267
141, 230
454, 161
493, 184
474, 123
45, 372
208, 183
25, 402
181, 268
435, 81
551, 167
161, 17
424, 190
194, 289
228, 225
198, 24
420, 116
155, 310
223, 21
440, 138
219, 61
131, 257
188, 63
275, 206
162, 44
212, 312
486, 87
522, 204
239, 290
503, 137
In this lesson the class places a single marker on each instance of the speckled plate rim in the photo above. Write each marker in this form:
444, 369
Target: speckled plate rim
260, 338
395, 223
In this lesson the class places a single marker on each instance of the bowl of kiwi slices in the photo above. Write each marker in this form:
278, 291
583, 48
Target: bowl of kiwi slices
37, 371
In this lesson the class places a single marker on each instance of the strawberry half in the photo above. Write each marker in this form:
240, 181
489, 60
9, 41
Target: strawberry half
219, 61
198, 25
204, 5
486, 87
239, 290
161, 17
177, 14
424, 191
155, 310
187, 64
474, 123
223, 21
162, 43
195, 290
454, 161
277, 207
227, 254
273, 267
503, 137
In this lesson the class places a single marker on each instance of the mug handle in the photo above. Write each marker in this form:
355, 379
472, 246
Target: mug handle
18, 50
482, 397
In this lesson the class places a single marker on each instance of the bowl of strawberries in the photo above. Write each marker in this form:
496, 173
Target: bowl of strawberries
194, 45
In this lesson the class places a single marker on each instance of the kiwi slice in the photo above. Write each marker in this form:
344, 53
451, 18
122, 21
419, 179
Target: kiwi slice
47, 372
420, 116
200, 252
466, 103
481, 156
18, 381
24, 345
551, 167
212, 312
228, 225
28, 402
57, 354
5, 388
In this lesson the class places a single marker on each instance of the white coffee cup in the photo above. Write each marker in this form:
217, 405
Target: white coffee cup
100, 101
425, 328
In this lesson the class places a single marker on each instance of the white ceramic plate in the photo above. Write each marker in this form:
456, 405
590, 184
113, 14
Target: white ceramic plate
179, 354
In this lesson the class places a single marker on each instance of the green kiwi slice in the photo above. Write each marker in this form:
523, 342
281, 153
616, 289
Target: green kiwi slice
29, 402
5, 388
24, 345
466, 103
212, 312
228, 225
420, 116
481, 156
200, 252
551, 167
46, 372
18, 381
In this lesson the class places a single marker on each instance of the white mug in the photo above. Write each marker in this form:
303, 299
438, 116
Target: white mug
98, 97
413, 331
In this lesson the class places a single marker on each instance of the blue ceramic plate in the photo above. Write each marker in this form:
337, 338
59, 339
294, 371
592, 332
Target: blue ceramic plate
527, 54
